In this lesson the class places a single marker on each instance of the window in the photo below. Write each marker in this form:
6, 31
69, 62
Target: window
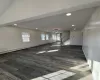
47, 37
54, 37
25, 37
42, 36
58, 37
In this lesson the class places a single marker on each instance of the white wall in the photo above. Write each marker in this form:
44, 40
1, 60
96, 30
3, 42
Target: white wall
91, 43
76, 37
11, 38
65, 35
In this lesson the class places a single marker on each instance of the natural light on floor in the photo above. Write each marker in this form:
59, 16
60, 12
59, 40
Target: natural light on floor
82, 67
41, 52
53, 50
59, 75
89, 77
67, 42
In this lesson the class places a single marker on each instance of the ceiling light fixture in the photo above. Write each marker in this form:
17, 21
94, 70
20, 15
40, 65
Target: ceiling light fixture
68, 14
73, 25
36, 28
15, 24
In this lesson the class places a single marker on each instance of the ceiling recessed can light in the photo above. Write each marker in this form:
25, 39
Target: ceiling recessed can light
73, 25
68, 14
36, 28
15, 24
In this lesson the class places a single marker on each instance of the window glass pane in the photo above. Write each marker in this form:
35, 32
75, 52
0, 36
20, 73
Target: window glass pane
42, 36
54, 37
58, 37
25, 37
47, 37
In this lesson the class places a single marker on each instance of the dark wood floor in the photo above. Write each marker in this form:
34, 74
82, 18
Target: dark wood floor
28, 63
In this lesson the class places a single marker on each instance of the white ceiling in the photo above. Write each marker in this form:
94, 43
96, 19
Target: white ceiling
61, 21
4, 5
25, 10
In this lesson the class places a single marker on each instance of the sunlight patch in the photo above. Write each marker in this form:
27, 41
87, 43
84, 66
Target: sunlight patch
41, 52
47, 51
39, 78
59, 75
53, 50
89, 77
67, 42
82, 67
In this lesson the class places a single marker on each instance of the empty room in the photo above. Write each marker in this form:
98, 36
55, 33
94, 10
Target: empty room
49, 39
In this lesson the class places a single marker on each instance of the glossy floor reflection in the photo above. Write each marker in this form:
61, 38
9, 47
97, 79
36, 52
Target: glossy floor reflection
32, 63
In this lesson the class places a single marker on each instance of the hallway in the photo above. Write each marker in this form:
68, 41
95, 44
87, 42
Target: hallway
37, 62
49, 39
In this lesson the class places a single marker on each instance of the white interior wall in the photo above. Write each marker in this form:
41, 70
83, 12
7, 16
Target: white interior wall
65, 35
76, 37
11, 38
91, 43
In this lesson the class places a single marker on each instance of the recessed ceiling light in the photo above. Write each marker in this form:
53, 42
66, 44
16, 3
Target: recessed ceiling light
68, 14
15, 24
73, 25
36, 28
